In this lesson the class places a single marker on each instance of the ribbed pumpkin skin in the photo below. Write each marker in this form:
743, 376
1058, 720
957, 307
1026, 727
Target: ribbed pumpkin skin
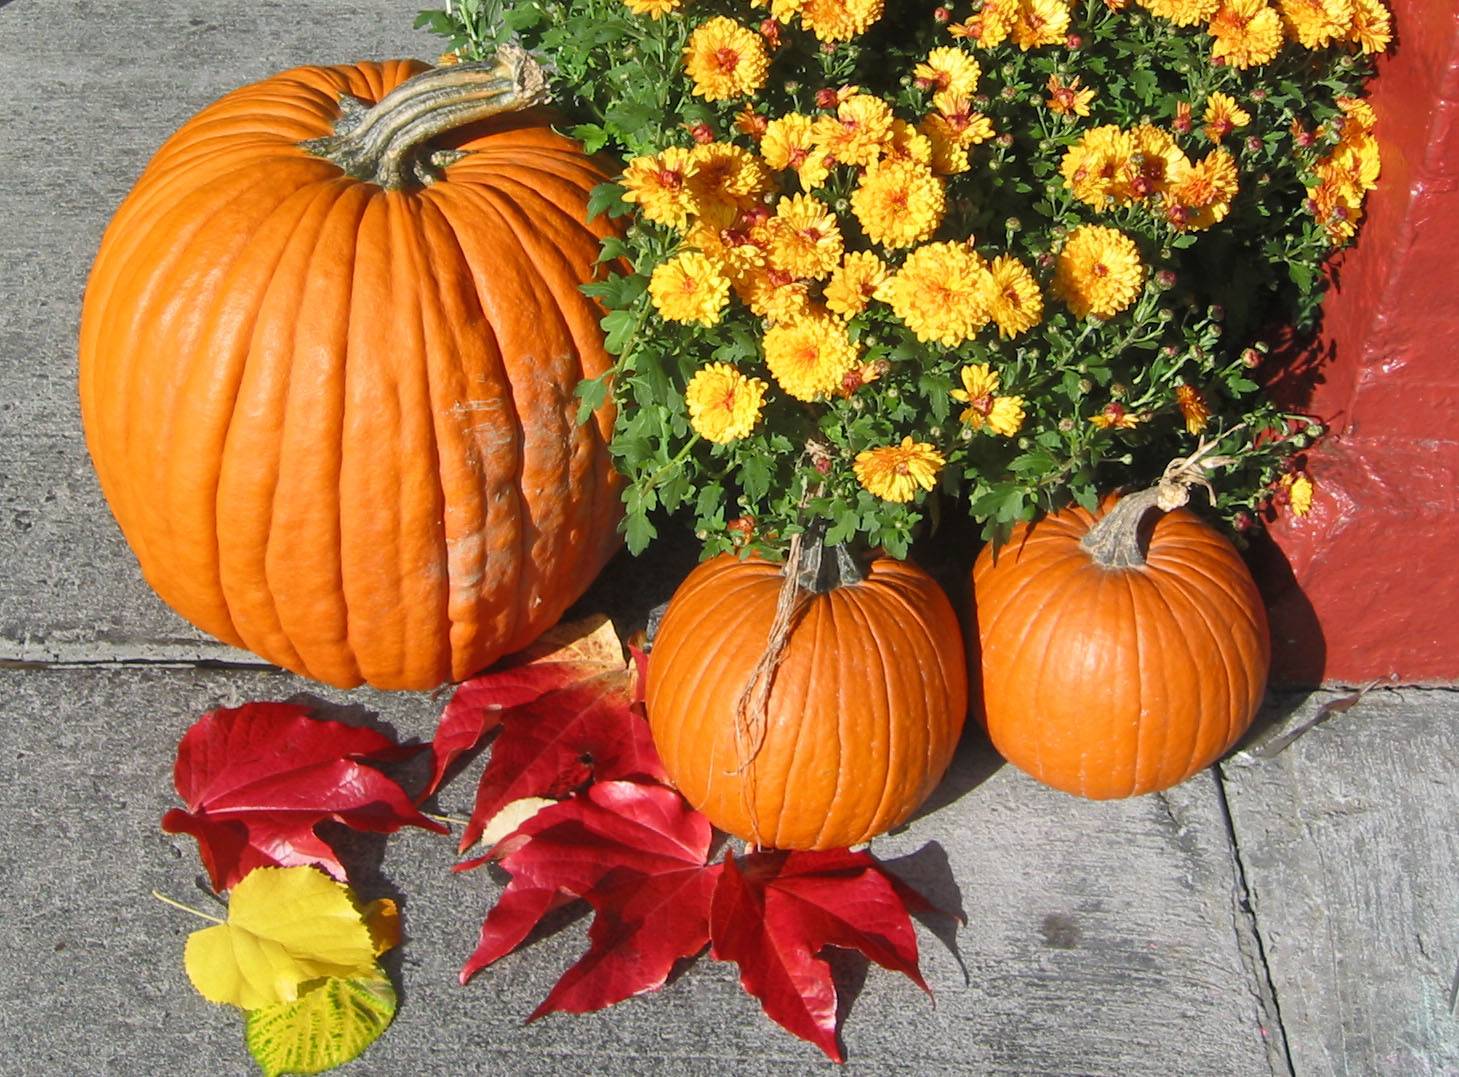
336, 423
1110, 682
864, 714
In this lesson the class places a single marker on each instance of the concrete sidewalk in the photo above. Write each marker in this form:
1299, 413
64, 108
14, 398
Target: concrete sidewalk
1298, 913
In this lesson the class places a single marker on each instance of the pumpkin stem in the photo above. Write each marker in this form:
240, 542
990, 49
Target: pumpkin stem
385, 144
1119, 539
820, 574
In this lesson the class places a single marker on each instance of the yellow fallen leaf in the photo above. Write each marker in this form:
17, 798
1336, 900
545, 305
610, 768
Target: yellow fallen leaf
330, 1023
285, 926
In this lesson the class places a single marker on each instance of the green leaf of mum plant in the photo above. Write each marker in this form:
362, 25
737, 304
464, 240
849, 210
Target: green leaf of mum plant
331, 1022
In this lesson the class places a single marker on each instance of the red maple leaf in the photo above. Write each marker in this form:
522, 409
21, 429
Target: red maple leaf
637, 854
773, 913
570, 711
564, 655
257, 779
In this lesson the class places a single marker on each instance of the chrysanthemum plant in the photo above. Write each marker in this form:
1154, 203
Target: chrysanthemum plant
1012, 253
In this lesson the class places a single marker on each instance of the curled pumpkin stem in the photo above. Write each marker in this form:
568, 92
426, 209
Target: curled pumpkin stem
1118, 540
386, 143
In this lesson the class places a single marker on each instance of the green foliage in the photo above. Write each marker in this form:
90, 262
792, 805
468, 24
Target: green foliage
1209, 298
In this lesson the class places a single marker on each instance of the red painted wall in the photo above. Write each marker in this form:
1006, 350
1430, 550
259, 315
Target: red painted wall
1367, 585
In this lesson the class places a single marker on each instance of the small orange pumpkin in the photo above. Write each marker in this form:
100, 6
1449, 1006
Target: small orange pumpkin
864, 709
1118, 657
328, 355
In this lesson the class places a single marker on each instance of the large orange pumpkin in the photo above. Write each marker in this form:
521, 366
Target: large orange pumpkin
328, 355
863, 714
1119, 655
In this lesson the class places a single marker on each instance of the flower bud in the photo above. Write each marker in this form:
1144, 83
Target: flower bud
1066, 426
1013, 224
1086, 386
1254, 144
1073, 41
1300, 441
1314, 430
892, 393
1119, 390
701, 132
827, 98
934, 432
1166, 314
1166, 279
1243, 522
1169, 351
1251, 358
1216, 312
1258, 95
941, 16
1008, 93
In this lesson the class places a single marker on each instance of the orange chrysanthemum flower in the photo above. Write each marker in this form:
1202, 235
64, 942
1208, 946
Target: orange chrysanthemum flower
659, 184
805, 238
1245, 33
1068, 98
725, 60
897, 472
1098, 272
1193, 408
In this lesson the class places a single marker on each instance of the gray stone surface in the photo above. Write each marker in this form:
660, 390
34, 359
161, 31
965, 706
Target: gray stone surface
1100, 938
92, 87
1350, 840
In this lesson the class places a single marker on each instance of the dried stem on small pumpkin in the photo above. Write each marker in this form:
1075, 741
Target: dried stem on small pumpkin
1114, 541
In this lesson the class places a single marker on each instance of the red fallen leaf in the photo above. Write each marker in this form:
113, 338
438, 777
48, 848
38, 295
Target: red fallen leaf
257, 779
636, 853
773, 913
589, 731
564, 655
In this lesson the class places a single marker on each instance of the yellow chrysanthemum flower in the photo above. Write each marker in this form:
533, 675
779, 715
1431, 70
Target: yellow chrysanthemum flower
948, 72
781, 10
1095, 167
809, 356
940, 293
773, 294
1372, 27
1040, 22
655, 9
659, 185
724, 405
1299, 494
896, 472
839, 20
1155, 158
855, 283
1115, 416
1068, 98
1199, 195
725, 60
1358, 117
1193, 408
688, 288
1098, 272
1315, 24
1245, 33
952, 133
727, 180
1222, 116
985, 409
790, 144
857, 131
734, 248
1012, 296
906, 143
990, 26
805, 238
1182, 12
899, 203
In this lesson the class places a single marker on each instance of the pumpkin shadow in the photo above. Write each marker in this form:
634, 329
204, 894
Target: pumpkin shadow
1299, 648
